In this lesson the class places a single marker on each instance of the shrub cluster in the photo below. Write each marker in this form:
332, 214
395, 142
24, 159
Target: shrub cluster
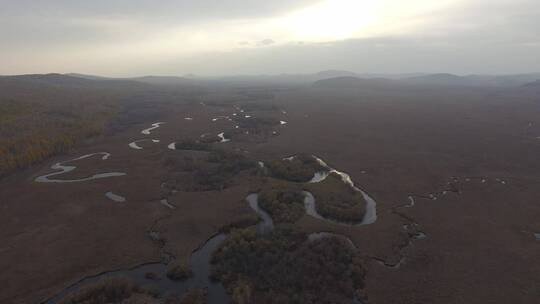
191, 145
179, 271
283, 267
299, 169
125, 291
112, 290
193, 296
210, 139
215, 171
337, 200
284, 203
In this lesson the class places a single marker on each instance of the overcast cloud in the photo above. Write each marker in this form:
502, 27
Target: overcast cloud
136, 37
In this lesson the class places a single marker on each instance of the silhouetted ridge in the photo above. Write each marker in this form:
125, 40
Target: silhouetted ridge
351, 82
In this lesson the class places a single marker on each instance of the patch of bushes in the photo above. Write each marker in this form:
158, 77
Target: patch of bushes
245, 221
300, 169
211, 180
223, 167
207, 171
283, 267
192, 145
284, 203
187, 163
210, 139
112, 290
337, 200
230, 161
194, 296
178, 271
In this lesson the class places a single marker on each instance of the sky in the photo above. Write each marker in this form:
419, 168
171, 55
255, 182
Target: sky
239, 37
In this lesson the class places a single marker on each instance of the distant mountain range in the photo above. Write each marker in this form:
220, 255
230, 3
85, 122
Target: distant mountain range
439, 79
156, 80
68, 81
434, 80
329, 78
533, 86
351, 82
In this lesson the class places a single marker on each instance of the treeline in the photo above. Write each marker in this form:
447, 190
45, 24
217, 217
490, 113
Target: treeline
37, 122
23, 152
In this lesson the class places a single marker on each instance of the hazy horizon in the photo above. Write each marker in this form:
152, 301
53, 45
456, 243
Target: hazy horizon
273, 152
366, 75
262, 74
243, 37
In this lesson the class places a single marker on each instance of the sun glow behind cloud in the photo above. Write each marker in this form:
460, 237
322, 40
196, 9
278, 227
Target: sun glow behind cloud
101, 38
324, 21
330, 20
131, 40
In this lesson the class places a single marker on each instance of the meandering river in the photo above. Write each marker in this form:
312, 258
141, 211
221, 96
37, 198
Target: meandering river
153, 127
66, 169
134, 145
370, 216
200, 259
199, 264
